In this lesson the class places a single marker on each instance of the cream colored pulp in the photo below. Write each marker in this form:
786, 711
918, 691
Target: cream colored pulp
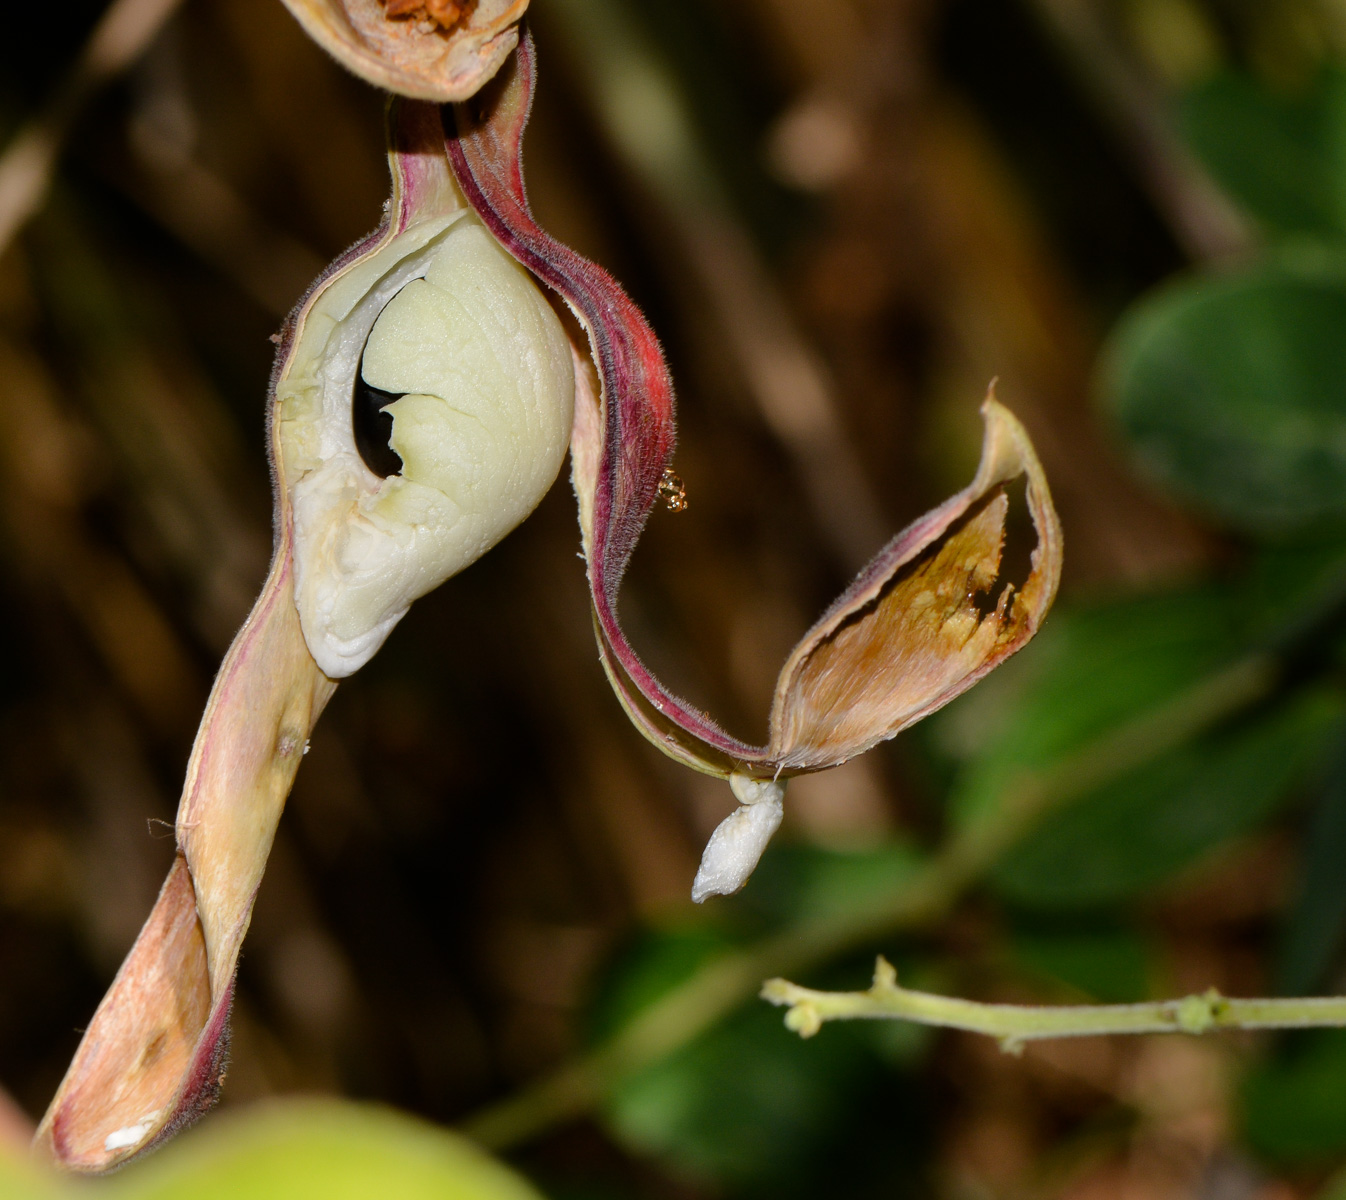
445, 316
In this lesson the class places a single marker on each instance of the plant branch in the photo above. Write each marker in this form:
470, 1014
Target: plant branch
920, 901
1014, 1024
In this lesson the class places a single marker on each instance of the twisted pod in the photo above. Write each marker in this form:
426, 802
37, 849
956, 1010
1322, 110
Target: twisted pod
422, 399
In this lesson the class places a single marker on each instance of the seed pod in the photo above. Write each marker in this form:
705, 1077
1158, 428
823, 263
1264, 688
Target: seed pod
423, 409
926, 619
429, 327
427, 49
421, 400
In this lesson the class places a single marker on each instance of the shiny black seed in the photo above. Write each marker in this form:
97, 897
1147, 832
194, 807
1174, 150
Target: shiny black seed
373, 427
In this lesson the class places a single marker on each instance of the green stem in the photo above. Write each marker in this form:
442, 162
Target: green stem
1015, 1024
922, 900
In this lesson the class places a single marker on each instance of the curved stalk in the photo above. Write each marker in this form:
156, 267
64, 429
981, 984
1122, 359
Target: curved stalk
1015, 1024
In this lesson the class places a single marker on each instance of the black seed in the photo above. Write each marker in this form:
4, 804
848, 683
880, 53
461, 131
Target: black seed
373, 427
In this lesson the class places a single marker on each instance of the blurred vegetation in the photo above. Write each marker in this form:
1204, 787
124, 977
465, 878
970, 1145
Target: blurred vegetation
1131, 211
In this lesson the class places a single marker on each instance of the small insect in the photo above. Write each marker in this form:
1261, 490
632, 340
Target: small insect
672, 491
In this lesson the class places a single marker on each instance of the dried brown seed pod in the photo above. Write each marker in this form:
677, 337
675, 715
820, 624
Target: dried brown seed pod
429, 51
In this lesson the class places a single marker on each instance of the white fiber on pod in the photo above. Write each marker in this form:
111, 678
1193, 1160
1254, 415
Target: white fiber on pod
737, 844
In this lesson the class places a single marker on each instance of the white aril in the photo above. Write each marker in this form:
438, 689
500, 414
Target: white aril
445, 320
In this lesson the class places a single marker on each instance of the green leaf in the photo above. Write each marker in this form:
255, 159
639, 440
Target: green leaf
319, 1150
1335, 1189
1294, 1106
1106, 965
1091, 670
1229, 390
1094, 670
655, 963
1291, 590
1281, 155
797, 882
747, 1103
1136, 831
1316, 927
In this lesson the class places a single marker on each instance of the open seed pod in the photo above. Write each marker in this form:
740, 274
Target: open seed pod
422, 409
923, 622
421, 406
439, 50
421, 403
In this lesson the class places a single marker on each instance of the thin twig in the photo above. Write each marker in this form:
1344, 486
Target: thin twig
1014, 1024
28, 163
920, 901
